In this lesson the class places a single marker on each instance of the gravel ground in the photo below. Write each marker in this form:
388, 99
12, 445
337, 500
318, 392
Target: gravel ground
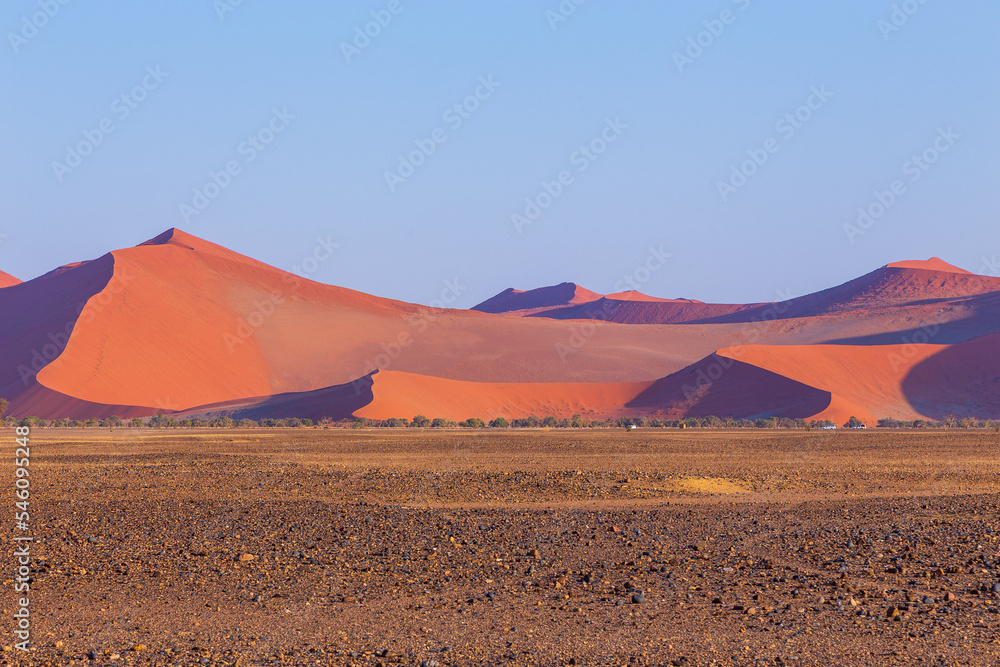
328, 547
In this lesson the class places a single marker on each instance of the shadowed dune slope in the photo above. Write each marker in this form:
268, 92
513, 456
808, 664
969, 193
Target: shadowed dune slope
39, 317
337, 402
518, 301
957, 380
623, 309
892, 286
725, 387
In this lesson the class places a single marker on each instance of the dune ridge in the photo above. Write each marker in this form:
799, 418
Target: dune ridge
180, 325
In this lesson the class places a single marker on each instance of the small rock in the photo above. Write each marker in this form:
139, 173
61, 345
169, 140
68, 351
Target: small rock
637, 598
950, 597
700, 545
995, 588
246, 558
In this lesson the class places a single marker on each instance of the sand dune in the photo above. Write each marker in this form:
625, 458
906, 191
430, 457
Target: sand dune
520, 302
405, 394
179, 325
184, 323
6, 280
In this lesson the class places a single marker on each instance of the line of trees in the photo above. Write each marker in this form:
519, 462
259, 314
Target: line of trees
421, 421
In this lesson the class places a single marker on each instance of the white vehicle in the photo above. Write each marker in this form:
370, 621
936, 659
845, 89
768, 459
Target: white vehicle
828, 427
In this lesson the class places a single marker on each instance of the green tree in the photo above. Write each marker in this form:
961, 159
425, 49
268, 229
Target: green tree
421, 421
439, 422
499, 422
853, 422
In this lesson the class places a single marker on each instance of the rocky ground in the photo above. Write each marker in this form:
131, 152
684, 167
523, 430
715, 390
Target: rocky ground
329, 547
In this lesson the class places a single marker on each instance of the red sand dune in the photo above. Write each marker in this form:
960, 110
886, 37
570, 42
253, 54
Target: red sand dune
904, 381
904, 284
649, 310
389, 394
909, 284
336, 402
6, 280
932, 264
186, 323
405, 394
179, 324
520, 302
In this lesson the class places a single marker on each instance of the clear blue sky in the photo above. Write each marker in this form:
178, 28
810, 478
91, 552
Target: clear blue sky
656, 184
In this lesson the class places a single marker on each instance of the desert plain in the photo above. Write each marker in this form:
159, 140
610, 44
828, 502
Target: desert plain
519, 547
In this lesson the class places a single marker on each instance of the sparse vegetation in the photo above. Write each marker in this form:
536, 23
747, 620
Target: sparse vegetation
421, 421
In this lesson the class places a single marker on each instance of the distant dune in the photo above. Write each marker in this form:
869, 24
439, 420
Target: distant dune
521, 302
180, 325
6, 280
